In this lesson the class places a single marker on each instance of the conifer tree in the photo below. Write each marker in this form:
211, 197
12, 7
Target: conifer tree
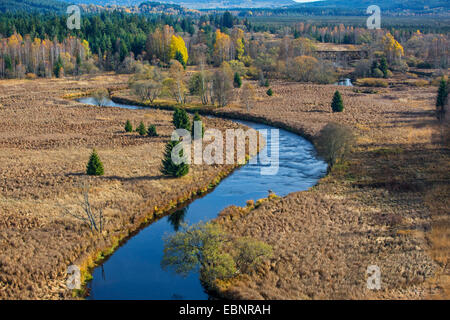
441, 97
94, 166
169, 167
237, 80
337, 105
197, 118
141, 129
152, 131
181, 119
128, 126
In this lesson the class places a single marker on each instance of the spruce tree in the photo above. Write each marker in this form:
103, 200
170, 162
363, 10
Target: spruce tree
337, 105
141, 129
176, 117
384, 67
269, 92
197, 119
58, 67
169, 167
237, 80
128, 126
94, 166
441, 97
181, 119
152, 131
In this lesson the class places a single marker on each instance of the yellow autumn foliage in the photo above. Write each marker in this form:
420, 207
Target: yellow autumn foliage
392, 48
177, 44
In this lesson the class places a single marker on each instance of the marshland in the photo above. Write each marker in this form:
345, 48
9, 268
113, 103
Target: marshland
86, 122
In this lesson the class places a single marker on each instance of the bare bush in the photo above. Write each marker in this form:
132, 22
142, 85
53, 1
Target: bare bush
222, 87
101, 97
95, 221
147, 89
248, 95
334, 142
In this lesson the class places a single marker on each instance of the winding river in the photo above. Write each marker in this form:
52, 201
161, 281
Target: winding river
134, 271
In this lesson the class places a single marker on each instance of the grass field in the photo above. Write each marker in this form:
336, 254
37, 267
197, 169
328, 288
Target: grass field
387, 205
45, 143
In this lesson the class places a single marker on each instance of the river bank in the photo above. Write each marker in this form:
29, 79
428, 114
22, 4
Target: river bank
385, 206
357, 216
43, 163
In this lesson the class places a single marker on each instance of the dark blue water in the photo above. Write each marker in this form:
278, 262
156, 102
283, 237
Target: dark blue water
134, 271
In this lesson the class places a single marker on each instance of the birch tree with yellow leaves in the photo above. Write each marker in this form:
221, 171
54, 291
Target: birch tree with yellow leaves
392, 48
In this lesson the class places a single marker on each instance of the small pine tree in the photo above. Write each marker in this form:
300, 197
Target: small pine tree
152, 131
237, 80
176, 117
58, 67
267, 83
181, 119
169, 167
269, 92
196, 119
337, 105
128, 126
94, 166
384, 67
441, 97
141, 129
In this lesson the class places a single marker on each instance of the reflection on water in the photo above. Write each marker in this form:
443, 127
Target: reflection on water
176, 219
134, 270
344, 82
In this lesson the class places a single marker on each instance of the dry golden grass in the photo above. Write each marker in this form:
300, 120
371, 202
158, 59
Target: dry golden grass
45, 143
373, 209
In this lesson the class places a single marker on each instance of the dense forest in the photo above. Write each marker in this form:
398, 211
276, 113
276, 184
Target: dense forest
32, 5
112, 40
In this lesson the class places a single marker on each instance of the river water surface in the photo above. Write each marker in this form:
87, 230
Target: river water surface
134, 271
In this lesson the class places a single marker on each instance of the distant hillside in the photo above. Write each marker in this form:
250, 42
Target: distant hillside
403, 7
198, 4
33, 5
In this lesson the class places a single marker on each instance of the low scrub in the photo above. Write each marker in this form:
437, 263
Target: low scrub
372, 82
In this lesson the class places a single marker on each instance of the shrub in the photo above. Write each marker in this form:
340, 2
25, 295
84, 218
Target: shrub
100, 97
250, 254
421, 83
152, 131
169, 167
30, 76
372, 82
141, 129
94, 166
424, 65
237, 82
334, 142
147, 89
363, 68
218, 255
128, 126
269, 92
337, 105
377, 73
